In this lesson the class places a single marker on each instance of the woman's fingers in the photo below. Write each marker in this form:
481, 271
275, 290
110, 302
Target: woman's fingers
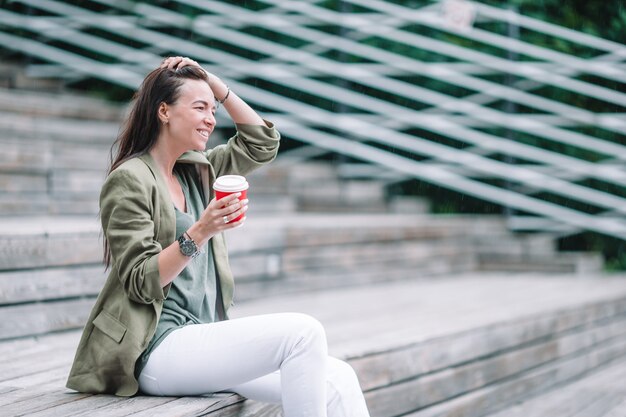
228, 200
171, 62
177, 62
239, 209
221, 212
238, 223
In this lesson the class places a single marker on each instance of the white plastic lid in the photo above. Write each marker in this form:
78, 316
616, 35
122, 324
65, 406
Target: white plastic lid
230, 183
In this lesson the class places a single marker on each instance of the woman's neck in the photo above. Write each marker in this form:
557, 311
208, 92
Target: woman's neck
165, 157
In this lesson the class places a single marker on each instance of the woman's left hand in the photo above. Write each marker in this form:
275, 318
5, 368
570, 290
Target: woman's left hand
177, 62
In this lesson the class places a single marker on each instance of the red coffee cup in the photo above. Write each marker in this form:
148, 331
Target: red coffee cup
229, 184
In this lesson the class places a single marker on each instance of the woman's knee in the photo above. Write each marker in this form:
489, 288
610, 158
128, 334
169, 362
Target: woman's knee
309, 329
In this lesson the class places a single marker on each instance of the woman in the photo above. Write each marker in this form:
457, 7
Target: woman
160, 324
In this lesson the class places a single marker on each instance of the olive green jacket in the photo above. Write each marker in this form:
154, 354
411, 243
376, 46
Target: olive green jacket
138, 221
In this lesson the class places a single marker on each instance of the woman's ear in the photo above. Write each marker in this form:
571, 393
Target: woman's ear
164, 113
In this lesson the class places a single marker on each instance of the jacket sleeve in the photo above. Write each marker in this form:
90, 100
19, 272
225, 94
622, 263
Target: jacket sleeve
126, 212
251, 147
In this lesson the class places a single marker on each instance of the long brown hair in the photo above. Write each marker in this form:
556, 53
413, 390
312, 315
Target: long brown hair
141, 128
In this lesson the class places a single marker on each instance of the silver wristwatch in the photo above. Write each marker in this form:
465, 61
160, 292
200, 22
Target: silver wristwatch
187, 246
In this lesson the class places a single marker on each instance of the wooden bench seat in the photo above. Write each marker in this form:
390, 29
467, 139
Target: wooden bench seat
470, 345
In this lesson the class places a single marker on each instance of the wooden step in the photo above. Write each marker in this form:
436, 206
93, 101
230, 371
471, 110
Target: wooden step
533, 382
255, 287
58, 105
563, 262
508, 355
599, 394
14, 76
44, 241
38, 129
469, 345
30, 285
519, 244
388, 254
409, 205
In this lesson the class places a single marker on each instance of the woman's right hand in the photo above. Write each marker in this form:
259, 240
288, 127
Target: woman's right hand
217, 217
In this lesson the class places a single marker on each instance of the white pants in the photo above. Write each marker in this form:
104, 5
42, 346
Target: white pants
278, 358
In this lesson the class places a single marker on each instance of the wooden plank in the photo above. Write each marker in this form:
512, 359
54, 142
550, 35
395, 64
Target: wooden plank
249, 408
125, 407
442, 307
55, 377
42, 128
63, 206
495, 396
21, 156
23, 183
569, 400
35, 364
14, 349
428, 359
183, 406
29, 402
89, 156
45, 250
67, 182
429, 389
434, 310
47, 104
40, 318
323, 280
6, 390
346, 256
45, 284
24, 203
81, 405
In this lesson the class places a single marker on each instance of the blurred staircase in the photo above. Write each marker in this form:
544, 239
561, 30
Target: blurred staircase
309, 227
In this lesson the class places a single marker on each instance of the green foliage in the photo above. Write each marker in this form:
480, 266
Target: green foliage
606, 18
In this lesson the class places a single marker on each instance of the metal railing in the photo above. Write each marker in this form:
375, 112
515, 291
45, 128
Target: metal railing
368, 124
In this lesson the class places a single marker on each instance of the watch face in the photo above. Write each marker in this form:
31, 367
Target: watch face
187, 247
